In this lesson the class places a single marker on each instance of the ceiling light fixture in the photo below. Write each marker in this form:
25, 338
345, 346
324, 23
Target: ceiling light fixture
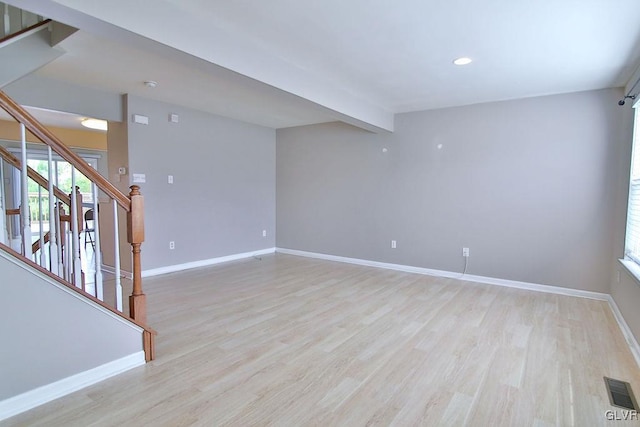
151, 83
96, 124
463, 61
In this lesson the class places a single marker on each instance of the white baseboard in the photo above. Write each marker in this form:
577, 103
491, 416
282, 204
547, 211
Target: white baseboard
41, 395
624, 328
452, 275
626, 331
205, 262
536, 287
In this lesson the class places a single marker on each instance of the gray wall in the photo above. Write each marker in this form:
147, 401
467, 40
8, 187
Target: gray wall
48, 334
223, 194
527, 185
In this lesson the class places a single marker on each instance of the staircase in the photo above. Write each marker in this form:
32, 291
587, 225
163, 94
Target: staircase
44, 229
58, 251
27, 42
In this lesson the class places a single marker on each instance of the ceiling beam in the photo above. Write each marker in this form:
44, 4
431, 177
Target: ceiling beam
121, 22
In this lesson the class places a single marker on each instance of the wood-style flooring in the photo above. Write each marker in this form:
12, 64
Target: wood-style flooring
291, 341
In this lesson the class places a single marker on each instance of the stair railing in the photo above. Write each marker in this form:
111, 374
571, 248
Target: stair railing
47, 255
15, 20
59, 250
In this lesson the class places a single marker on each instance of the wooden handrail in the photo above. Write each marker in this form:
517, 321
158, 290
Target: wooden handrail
34, 175
46, 136
25, 30
149, 333
35, 247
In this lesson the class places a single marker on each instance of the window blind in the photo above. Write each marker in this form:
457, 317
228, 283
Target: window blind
632, 240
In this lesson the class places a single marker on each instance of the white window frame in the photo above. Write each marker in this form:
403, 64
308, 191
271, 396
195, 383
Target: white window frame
632, 234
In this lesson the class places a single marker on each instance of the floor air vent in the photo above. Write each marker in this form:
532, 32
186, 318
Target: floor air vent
620, 394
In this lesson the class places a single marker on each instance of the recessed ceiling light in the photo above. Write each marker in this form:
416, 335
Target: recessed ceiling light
463, 61
95, 124
151, 83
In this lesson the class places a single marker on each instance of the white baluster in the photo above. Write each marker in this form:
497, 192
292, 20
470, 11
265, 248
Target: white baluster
4, 232
43, 258
7, 20
76, 261
54, 221
96, 240
62, 235
68, 253
117, 256
24, 203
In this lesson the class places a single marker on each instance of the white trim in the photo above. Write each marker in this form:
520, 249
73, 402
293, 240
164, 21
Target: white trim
41, 395
63, 288
632, 268
626, 331
452, 275
111, 270
537, 287
205, 262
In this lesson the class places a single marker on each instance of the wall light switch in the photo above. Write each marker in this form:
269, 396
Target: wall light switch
122, 171
170, 179
173, 118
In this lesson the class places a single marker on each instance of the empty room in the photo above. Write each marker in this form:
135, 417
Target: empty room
412, 213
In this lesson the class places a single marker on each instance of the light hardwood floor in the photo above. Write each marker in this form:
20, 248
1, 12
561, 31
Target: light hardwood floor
293, 341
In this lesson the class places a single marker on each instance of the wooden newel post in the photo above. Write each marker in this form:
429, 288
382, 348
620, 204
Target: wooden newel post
135, 236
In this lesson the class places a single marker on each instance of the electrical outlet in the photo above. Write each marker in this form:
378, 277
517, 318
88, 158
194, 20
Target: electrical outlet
264, 233
172, 245
170, 179
393, 244
465, 252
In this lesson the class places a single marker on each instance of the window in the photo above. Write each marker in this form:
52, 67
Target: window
38, 160
632, 241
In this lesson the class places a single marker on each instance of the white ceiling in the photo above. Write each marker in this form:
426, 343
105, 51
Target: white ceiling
283, 63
